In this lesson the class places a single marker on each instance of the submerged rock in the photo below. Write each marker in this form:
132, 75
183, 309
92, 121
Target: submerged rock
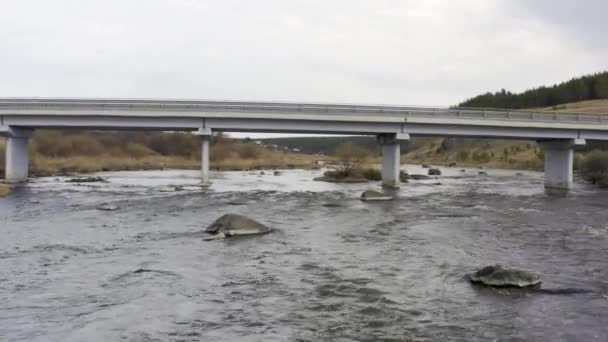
420, 177
497, 276
235, 225
107, 207
434, 172
372, 195
426, 166
403, 176
277, 173
482, 173
87, 180
340, 180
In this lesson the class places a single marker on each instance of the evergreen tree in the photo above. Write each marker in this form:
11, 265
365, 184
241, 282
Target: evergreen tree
578, 89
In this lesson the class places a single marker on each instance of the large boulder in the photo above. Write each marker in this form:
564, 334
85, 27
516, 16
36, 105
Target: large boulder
434, 172
235, 225
372, 195
497, 276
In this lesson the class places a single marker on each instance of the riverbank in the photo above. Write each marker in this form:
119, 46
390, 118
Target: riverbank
48, 166
62, 153
499, 154
4, 190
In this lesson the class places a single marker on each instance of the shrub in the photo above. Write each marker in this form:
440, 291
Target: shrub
220, 151
371, 174
351, 156
481, 156
594, 168
367, 173
462, 156
138, 151
248, 151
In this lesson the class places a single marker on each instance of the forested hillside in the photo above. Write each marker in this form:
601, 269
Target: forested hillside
590, 87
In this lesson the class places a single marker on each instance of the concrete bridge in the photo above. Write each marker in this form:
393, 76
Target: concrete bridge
556, 133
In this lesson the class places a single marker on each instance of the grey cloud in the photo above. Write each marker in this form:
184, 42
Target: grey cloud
377, 51
584, 21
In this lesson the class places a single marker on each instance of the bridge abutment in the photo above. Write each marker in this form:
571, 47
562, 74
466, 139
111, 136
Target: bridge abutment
559, 160
391, 158
17, 160
205, 134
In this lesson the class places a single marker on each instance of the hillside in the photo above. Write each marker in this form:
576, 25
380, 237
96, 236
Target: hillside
589, 106
589, 87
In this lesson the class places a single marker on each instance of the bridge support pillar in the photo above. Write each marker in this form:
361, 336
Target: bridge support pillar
559, 158
205, 134
17, 161
391, 158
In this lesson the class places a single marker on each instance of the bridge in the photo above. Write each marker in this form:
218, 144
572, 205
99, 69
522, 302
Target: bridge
556, 133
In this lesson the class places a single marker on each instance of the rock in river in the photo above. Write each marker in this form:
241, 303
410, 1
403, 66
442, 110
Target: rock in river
107, 207
498, 276
91, 179
372, 195
434, 172
419, 177
235, 225
403, 176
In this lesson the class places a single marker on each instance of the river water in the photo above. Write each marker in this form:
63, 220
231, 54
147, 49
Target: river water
358, 272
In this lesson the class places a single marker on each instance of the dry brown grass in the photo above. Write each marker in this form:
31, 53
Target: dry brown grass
494, 154
266, 160
589, 106
46, 166
4, 190
54, 153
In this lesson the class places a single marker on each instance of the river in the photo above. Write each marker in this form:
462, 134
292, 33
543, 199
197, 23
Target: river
386, 271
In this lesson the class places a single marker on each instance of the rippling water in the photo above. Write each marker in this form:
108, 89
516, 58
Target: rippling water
356, 272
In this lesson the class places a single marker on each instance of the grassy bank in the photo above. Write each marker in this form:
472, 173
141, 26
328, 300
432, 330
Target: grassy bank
505, 154
60, 153
4, 190
476, 153
47, 166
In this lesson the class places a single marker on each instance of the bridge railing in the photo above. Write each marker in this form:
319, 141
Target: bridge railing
74, 105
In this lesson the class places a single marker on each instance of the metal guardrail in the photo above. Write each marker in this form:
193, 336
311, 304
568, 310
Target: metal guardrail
298, 108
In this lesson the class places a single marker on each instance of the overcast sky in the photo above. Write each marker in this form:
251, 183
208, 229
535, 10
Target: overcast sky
431, 52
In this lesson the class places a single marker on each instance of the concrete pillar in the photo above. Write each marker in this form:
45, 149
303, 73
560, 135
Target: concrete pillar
391, 158
17, 161
559, 157
205, 134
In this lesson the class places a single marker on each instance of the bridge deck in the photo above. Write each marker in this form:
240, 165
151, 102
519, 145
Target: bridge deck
297, 118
